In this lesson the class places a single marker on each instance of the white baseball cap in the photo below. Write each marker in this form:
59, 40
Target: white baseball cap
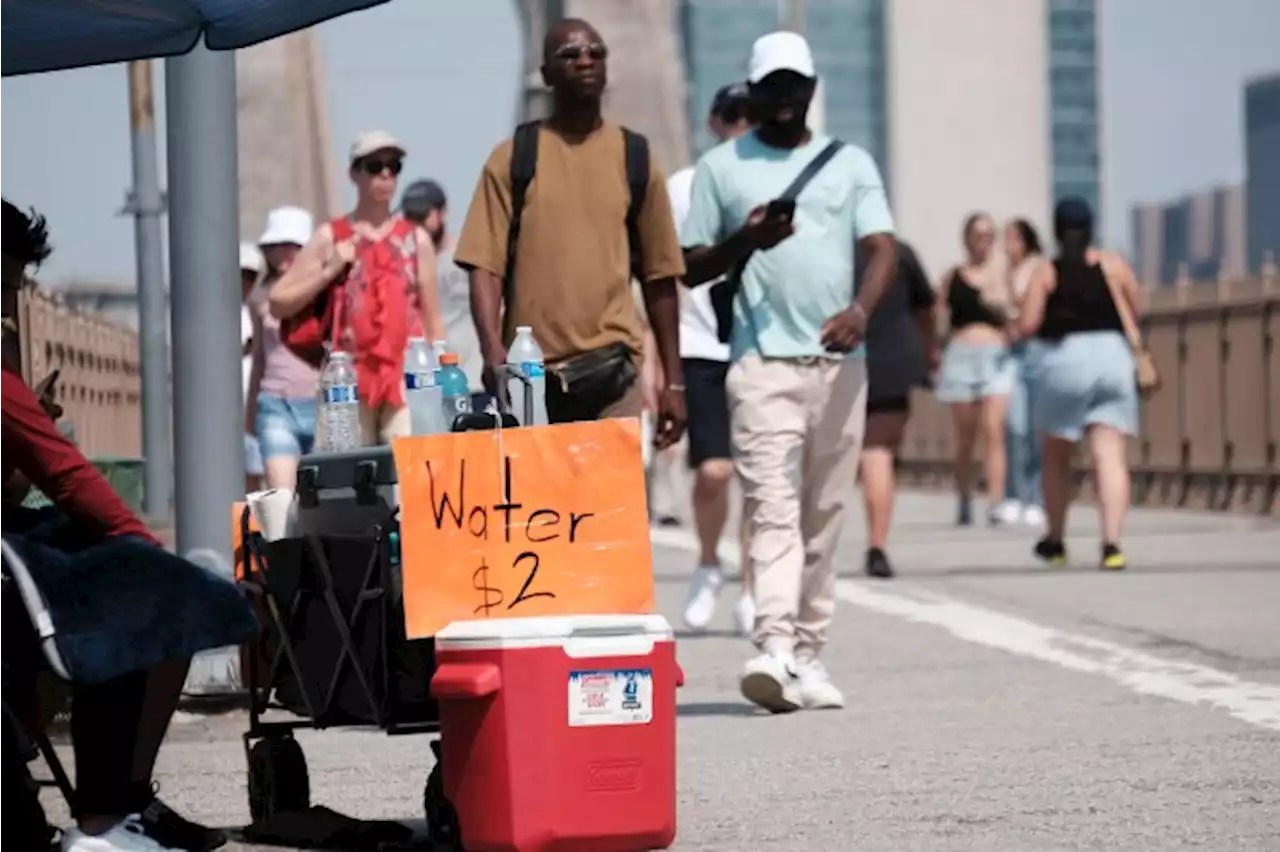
250, 259
291, 225
374, 140
780, 51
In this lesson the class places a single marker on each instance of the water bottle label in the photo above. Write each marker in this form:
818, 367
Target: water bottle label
419, 381
533, 369
339, 394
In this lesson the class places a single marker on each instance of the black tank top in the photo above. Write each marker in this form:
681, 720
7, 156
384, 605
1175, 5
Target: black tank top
1080, 302
966, 307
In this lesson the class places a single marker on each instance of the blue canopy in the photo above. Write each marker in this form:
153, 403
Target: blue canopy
51, 35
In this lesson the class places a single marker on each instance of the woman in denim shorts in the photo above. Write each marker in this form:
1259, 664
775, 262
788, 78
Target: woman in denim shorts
282, 386
977, 373
1084, 374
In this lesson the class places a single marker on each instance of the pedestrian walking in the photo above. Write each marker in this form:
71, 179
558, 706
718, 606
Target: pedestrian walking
1023, 500
382, 270
282, 389
251, 265
902, 349
976, 375
706, 366
778, 212
564, 213
1082, 311
424, 203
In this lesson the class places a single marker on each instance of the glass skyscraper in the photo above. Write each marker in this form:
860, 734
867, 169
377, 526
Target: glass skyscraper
1073, 100
847, 37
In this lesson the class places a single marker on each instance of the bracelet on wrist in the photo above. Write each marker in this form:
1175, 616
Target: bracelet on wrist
677, 388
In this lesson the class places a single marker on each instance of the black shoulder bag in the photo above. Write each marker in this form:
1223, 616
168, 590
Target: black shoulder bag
723, 292
593, 379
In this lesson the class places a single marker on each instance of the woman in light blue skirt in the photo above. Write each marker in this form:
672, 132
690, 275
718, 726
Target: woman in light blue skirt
1084, 376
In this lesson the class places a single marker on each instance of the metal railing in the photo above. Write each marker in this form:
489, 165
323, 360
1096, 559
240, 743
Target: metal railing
1209, 439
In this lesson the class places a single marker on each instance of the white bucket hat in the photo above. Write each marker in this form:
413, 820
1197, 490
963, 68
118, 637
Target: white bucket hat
287, 225
250, 259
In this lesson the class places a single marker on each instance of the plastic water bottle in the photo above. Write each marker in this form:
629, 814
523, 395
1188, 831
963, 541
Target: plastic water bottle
526, 354
339, 404
455, 390
421, 393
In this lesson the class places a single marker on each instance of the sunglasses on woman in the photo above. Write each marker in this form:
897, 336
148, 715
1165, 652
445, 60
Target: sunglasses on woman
373, 168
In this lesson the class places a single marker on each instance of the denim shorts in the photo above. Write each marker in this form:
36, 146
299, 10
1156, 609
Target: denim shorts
252, 456
973, 371
286, 427
1084, 380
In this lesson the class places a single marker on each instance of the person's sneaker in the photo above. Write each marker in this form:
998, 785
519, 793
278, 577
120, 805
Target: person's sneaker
169, 827
1006, 512
1033, 516
1051, 551
770, 681
878, 564
700, 604
129, 835
964, 514
817, 692
744, 614
1113, 559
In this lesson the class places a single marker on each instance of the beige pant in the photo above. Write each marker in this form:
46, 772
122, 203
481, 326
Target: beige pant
797, 431
379, 425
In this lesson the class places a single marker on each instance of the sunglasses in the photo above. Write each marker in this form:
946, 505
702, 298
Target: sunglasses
373, 168
574, 52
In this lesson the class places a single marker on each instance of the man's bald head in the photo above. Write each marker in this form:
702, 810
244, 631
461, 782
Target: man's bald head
565, 32
575, 62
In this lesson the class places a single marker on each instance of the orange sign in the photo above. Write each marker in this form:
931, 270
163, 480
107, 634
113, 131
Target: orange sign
523, 522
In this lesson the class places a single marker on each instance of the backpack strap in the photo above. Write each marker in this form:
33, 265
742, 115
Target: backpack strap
335, 293
524, 163
637, 161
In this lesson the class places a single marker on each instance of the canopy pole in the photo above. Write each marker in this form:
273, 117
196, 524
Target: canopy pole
204, 280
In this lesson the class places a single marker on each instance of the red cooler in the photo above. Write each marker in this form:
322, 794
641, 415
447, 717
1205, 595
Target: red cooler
558, 734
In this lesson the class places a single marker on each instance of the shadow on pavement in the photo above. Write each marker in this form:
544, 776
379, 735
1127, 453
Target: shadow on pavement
717, 708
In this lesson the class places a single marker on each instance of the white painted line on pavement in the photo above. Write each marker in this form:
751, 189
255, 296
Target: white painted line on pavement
1251, 702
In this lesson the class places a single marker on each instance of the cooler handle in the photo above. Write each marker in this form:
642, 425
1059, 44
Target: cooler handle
465, 681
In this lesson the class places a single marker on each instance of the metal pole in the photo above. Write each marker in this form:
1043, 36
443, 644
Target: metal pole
204, 231
146, 204
795, 16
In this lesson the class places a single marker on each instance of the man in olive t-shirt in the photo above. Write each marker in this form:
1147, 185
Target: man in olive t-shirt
572, 275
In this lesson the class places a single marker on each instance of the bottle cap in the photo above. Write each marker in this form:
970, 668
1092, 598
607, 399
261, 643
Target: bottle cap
417, 339
524, 329
449, 359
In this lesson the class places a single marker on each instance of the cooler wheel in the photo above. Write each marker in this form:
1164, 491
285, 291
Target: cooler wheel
278, 780
442, 819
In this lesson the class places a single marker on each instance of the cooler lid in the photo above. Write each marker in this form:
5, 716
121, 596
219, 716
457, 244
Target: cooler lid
550, 630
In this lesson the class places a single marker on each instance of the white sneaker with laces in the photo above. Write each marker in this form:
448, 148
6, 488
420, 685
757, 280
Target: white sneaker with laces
126, 836
1033, 516
744, 614
769, 681
1008, 512
704, 588
817, 692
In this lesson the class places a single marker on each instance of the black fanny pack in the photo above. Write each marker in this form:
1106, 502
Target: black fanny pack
602, 374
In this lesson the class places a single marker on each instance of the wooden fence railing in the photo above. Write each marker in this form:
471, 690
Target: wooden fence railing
1210, 437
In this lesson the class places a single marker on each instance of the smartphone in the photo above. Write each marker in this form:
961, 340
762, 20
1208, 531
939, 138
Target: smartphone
780, 208
46, 383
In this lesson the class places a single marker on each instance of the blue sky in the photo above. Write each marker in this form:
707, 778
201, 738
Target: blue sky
445, 76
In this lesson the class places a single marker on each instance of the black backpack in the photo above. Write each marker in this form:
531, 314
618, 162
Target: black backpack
524, 163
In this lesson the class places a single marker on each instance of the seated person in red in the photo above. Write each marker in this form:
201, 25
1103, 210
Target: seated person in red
128, 614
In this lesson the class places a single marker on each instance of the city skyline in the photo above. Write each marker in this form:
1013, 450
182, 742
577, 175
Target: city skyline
1172, 72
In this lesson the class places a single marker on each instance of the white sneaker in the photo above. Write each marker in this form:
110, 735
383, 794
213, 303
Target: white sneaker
126, 836
817, 692
700, 605
1033, 516
769, 681
1008, 512
744, 614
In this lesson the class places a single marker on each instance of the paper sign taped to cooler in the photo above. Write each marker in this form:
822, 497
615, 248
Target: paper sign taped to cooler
523, 522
